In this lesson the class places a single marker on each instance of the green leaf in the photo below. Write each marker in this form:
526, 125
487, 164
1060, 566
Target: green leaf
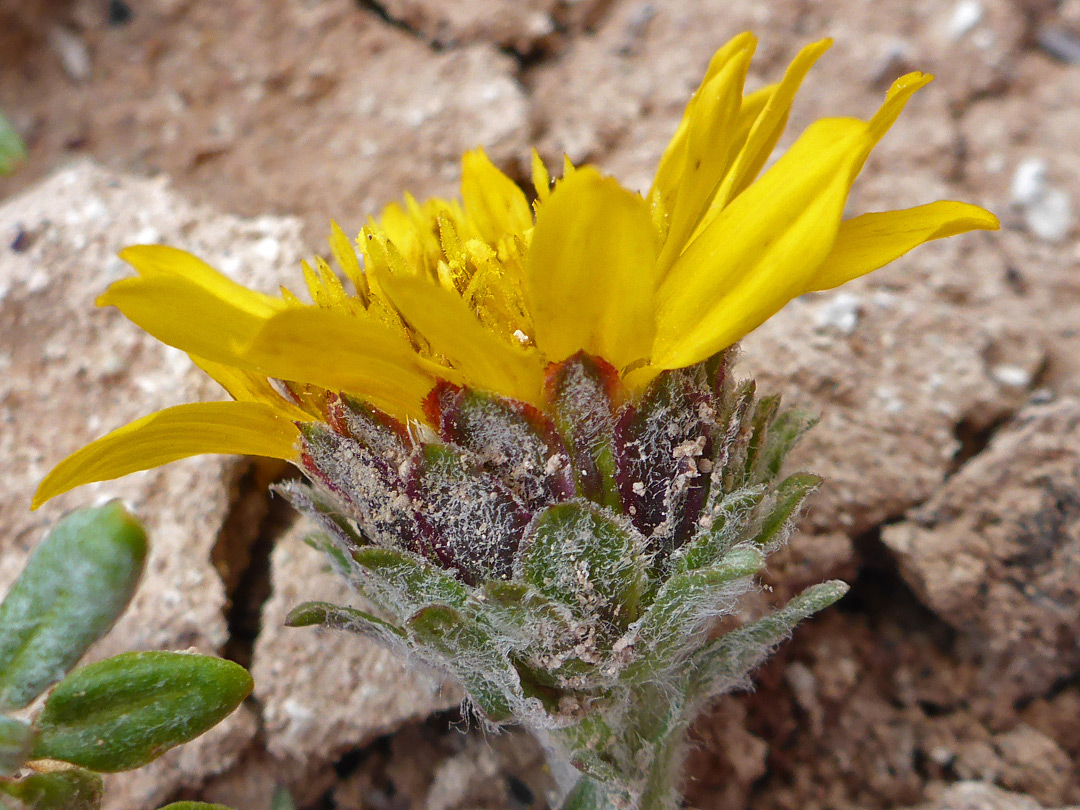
195, 806
72, 789
589, 742
732, 518
407, 579
519, 611
790, 494
579, 389
588, 794
340, 562
727, 660
765, 412
577, 554
470, 653
16, 742
684, 608
783, 434
127, 710
12, 149
282, 800
74, 587
339, 617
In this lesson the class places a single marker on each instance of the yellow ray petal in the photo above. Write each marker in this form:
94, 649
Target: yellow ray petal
898, 96
493, 202
246, 386
201, 319
245, 428
453, 331
589, 270
870, 241
709, 137
160, 261
540, 177
346, 257
342, 352
759, 251
767, 127
673, 160
764, 248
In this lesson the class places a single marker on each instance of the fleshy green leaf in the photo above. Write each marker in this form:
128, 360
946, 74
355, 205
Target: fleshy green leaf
194, 806
12, 150
76, 584
282, 800
16, 742
125, 711
576, 554
71, 789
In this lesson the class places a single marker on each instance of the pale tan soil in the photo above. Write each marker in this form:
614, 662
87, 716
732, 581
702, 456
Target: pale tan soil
948, 383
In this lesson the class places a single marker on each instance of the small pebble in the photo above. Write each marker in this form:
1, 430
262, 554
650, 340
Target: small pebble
1050, 217
73, 53
1047, 210
966, 15
1029, 182
1060, 43
841, 312
22, 241
1011, 376
268, 249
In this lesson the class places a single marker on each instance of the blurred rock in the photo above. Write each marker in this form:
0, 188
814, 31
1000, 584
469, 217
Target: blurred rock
523, 25
325, 692
725, 758
321, 109
494, 772
996, 553
72, 372
438, 768
979, 796
325, 109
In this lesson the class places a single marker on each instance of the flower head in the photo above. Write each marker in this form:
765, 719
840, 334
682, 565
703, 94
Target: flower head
489, 292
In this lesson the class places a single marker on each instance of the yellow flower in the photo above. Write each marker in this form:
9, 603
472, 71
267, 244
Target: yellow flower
488, 292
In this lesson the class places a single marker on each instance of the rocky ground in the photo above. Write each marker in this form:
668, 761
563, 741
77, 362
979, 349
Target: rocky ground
949, 383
